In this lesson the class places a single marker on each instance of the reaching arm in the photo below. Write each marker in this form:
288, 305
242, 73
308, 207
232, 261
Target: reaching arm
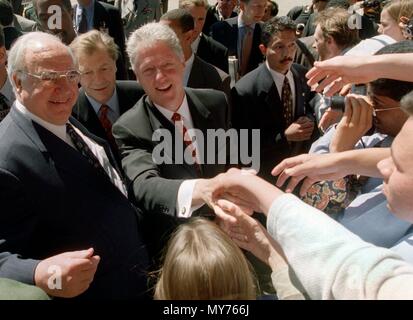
317, 167
339, 71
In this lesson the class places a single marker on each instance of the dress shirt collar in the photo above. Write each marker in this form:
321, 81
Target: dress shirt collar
279, 77
188, 68
183, 110
195, 44
113, 102
59, 131
242, 24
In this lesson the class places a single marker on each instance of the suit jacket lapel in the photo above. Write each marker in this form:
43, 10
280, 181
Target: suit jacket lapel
272, 98
299, 93
195, 76
158, 122
85, 112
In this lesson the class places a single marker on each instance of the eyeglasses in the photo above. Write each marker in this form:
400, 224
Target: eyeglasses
51, 76
380, 110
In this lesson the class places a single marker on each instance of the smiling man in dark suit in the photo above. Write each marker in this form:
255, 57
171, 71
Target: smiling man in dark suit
102, 99
274, 97
176, 185
66, 224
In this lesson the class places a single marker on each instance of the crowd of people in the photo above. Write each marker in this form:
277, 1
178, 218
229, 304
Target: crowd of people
206, 152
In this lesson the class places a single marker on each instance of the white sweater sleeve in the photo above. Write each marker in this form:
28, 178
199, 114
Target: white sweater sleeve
330, 261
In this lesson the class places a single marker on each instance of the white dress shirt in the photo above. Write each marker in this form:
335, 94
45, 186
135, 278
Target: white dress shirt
184, 206
279, 82
97, 150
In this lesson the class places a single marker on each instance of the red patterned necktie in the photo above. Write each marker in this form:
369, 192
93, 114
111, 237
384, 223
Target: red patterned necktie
106, 123
179, 123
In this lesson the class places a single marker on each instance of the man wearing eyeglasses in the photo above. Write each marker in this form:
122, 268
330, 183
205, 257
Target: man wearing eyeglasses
371, 121
66, 224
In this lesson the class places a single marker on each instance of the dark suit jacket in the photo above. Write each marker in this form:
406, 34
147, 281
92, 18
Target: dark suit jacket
226, 32
257, 105
213, 52
108, 17
211, 17
10, 35
204, 76
156, 186
54, 201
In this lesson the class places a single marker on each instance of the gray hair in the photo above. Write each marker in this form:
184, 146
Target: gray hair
36, 42
150, 34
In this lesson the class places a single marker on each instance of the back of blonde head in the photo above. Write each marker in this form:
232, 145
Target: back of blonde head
203, 263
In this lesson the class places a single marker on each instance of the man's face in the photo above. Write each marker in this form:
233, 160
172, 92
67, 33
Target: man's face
281, 51
267, 14
226, 7
254, 10
160, 72
388, 119
397, 171
58, 22
199, 14
322, 45
50, 100
98, 75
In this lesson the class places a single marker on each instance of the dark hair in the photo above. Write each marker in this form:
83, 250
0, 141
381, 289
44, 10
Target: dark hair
182, 16
344, 4
275, 25
394, 89
274, 8
2, 41
65, 3
6, 13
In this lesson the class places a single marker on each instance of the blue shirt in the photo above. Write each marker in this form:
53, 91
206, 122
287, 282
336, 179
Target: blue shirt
89, 11
113, 104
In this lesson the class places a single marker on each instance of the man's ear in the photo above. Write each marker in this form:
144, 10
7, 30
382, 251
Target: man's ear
3, 56
189, 35
18, 82
263, 49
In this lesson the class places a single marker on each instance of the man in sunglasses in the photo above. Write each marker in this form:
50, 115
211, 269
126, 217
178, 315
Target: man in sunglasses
66, 224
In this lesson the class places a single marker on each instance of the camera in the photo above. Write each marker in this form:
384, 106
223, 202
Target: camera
339, 102
408, 29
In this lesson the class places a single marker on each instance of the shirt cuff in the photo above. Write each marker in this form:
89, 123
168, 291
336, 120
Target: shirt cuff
184, 206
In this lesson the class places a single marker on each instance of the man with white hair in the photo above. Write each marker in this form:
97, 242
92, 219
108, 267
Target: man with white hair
64, 205
175, 189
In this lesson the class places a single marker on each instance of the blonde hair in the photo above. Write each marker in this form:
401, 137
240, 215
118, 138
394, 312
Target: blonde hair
185, 4
203, 263
89, 42
399, 8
